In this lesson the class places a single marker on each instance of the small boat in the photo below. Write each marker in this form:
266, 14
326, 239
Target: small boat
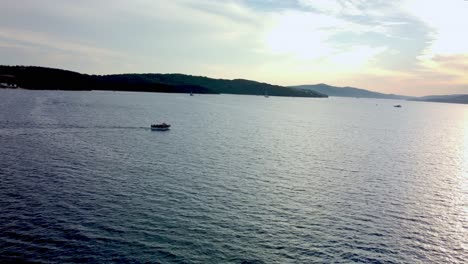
160, 127
191, 94
399, 106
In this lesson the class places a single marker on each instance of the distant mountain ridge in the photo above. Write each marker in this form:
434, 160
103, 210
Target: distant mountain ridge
454, 98
347, 91
41, 78
362, 93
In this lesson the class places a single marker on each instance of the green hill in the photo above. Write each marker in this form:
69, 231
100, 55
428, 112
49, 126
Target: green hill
40, 78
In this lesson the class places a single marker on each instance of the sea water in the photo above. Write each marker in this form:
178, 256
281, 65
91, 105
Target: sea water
237, 179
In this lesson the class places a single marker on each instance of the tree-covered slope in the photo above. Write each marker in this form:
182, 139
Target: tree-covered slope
31, 77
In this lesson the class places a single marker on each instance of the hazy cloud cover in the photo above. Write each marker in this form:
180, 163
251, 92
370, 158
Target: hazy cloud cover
410, 47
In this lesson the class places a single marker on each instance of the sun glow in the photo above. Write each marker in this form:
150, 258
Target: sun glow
299, 35
305, 37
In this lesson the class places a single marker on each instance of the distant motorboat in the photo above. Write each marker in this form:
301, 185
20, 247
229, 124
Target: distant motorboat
191, 94
160, 127
399, 106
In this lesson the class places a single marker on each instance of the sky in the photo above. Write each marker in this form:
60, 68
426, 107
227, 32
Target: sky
409, 47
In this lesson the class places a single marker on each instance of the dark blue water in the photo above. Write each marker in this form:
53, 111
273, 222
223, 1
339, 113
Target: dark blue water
239, 179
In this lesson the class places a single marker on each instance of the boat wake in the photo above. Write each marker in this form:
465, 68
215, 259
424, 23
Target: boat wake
62, 126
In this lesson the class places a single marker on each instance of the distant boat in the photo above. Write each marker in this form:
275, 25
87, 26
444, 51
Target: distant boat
399, 106
191, 94
160, 127
266, 93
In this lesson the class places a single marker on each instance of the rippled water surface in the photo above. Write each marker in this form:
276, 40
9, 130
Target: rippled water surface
239, 179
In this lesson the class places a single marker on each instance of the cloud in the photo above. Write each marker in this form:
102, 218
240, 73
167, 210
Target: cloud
318, 29
350, 8
36, 39
323, 6
164, 36
457, 63
51, 50
357, 56
447, 19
